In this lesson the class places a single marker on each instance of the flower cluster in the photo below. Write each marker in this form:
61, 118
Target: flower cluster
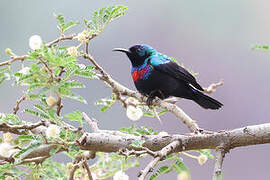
202, 159
35, 42
134, 113
6, 149
53, 131
72, 51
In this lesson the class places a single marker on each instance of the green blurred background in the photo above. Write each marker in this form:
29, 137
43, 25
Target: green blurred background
213, 38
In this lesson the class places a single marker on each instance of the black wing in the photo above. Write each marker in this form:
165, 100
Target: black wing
176, 71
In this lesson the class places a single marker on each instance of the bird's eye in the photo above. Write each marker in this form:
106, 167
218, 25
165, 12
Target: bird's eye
138, 50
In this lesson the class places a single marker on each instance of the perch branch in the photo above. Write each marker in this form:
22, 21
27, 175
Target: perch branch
178, 112
109, 142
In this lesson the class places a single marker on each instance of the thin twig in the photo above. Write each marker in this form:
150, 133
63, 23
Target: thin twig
93, 123
16, 108
85, 165
161, 154
212, 87
220, 154
23, 57
74, 168
47, 67
13, 59
61, 38
59, 105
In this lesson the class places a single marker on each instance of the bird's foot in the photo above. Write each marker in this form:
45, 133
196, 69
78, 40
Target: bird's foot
149, 101
152, 95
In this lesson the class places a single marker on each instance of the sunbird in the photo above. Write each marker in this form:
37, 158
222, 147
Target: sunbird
157, 75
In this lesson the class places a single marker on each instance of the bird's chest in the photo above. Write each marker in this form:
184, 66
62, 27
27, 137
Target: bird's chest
142, 73
149, 81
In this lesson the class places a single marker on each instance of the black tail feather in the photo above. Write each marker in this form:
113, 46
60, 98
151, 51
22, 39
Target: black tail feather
206, 101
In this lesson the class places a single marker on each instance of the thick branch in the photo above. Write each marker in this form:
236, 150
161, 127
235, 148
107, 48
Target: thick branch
19, 129
113, 142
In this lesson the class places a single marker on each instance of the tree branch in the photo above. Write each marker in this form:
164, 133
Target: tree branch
23, 57
13, 59
220, 154
61, 38
16, 108
114, 141
161, 154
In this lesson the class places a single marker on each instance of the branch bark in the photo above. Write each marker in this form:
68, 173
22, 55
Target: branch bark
220, 154
115, 140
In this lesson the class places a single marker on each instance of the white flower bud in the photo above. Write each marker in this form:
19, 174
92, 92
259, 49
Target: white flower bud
202, 159
51, 101
35, 42
82, 37
134, 113
72, 51
183, 176
7, 137
120, 175
6, 149
69, 166
53, 131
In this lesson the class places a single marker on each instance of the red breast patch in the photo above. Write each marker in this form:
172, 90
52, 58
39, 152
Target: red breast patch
139, 74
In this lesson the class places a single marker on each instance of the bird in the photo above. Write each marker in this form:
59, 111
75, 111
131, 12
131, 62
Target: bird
157, 75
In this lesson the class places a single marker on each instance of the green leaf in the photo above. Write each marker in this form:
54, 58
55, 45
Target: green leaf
76, 97
106, 103
261, 47
206, 152
102, 17
22, 139
179, 166
62, 25
86, 73
139, 131
11, 119
75, 116
160, 171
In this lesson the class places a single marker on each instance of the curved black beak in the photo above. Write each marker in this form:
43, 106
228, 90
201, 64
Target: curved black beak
122, 50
